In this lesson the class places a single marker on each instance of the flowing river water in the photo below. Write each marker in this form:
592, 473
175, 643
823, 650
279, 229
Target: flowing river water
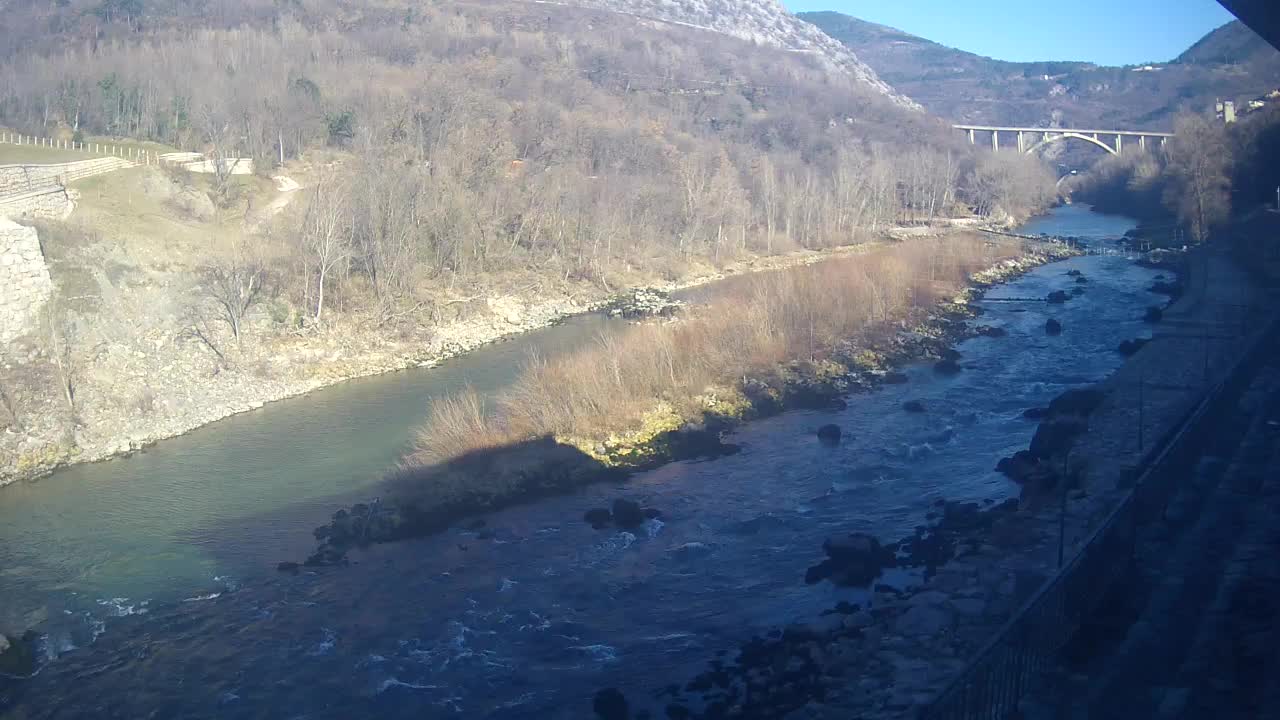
152, 577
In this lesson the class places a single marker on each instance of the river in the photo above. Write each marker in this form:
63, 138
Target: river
152, 577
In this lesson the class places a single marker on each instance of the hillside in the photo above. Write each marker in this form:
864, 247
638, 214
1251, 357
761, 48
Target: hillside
763, 22
468, 169
759, 21
1231, 62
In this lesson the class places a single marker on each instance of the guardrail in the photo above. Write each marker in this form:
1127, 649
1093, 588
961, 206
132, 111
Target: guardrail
1000, 674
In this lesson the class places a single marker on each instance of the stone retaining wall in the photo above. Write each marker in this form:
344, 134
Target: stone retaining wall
55, 203
25, 285
18, 179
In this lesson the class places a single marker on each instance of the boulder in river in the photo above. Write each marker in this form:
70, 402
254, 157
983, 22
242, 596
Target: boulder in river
1075, 273
992, 331
1057, 297
1052, 326
1130, 347
947, 366
1055, 435
611, 704
598, 517
853, 560
829, 434
642, 302
1017, 467
913, 406
1079, 401
628, 514
18, 654
1081, 280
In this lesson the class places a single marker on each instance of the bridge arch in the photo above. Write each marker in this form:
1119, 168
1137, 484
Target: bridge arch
1078, 136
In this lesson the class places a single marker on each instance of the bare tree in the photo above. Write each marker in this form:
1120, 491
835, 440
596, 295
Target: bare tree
235, 283
1199, 168
324, 238
10, 409
61, 336
220, 150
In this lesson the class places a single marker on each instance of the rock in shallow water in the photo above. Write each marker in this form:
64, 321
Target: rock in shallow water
1130, 347
610, 704
946, 366
17, 655
627, 514
598, 517
1052, 327
913, 406
830, 434
854, 559
1057, 297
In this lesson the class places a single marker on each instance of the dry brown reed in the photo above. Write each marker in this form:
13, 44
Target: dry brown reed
756, 324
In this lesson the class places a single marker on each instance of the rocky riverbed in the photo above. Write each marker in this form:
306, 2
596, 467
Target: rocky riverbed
890, 655
502, 477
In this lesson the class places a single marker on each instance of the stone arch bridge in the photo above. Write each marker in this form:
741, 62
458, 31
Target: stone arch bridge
1029, 139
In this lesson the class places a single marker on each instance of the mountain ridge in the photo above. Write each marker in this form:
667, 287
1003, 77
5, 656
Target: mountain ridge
765, 22
1230, 62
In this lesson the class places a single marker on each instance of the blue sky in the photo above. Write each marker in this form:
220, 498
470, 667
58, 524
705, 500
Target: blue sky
1107, 32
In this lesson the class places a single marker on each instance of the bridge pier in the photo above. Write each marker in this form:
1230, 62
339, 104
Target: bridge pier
971, 136
1119, 144
1022, 145
995, 140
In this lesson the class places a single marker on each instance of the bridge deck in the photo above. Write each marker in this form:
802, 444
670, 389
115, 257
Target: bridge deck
1126, 133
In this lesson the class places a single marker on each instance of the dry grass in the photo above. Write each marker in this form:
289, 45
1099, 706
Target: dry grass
758, 324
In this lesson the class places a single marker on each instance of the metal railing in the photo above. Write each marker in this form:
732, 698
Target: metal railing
1000, 674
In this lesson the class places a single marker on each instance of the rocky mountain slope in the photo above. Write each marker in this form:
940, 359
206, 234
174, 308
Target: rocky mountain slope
765, 22
1231, 62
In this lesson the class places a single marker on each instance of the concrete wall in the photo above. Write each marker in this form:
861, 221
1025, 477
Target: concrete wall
25, 285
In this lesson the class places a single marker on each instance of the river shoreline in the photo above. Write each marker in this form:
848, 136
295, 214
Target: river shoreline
891, 657
539, 468
452, 341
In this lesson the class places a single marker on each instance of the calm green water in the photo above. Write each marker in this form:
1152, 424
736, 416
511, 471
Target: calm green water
166, 522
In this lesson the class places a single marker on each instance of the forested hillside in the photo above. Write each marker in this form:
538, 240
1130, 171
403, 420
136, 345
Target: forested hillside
504, 131
1230, 63
460, 163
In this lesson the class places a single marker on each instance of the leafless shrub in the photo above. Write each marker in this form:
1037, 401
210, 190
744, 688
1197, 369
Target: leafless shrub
144, 401
762, 322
